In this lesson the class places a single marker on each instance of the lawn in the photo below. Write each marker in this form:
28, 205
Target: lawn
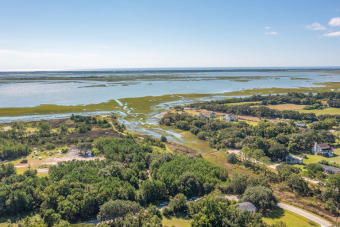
253, 123
311, 158
290, 218
178, 220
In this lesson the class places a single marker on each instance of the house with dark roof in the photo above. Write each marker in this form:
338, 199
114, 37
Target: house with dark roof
323, 149
247, 206
330, 169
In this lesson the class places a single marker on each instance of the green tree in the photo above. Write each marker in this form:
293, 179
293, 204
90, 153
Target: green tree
262, 197
178, 203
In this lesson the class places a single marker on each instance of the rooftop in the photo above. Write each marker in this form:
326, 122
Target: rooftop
246, 205
324, 146
330, 168
294, 157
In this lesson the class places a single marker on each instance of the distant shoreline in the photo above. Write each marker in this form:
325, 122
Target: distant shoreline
179, 70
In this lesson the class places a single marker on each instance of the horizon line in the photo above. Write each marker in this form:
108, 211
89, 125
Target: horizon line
169, 69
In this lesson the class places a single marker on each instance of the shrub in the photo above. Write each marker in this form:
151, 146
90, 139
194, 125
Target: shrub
232, 158
164, 139
50, 146
65, 150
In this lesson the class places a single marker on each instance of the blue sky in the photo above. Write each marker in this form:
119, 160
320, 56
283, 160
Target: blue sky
88, 34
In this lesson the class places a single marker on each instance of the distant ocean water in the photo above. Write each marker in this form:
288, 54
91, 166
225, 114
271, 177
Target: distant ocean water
23, 89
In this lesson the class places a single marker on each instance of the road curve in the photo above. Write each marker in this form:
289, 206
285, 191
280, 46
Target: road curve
305, 214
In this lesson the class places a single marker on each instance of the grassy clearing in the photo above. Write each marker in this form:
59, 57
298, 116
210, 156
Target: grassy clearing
290, 218
331, 111
287, 107
299, 108
253, 123
240, 103
34, 162
178, 220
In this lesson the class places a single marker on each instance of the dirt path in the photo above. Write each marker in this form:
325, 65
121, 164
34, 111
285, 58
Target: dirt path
305, 214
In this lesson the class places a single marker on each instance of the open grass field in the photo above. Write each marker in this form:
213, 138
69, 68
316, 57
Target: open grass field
290, 218
287, 107
178, 220
331, 111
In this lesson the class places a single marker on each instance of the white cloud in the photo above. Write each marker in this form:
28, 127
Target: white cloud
316, 27
271, 33
332, 34
267, 27
334, 21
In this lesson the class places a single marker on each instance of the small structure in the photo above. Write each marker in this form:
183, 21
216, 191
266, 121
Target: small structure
330, 169
229, 117
201, 115
323, 149
35, 151
247, 206
40, 157
294, 160
24, 161
300, 124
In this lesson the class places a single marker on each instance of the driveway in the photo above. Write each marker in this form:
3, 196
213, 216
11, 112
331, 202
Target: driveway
305, 214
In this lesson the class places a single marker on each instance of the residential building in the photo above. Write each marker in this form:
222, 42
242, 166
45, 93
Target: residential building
330, 169
294, 160
229, 117
323, 149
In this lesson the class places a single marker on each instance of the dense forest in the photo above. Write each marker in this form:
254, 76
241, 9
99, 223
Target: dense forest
259, 106
132, 175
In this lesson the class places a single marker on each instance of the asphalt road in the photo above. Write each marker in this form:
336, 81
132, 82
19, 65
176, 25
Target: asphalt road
305, 214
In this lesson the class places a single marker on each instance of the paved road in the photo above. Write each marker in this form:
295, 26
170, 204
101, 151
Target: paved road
305, 214
298, 211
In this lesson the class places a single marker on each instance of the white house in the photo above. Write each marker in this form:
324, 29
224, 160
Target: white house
247, 206
294, 160
229, 117
322, 149
300, 124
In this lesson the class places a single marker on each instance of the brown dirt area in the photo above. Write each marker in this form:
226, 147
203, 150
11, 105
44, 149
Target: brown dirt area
73, 154
180, 148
